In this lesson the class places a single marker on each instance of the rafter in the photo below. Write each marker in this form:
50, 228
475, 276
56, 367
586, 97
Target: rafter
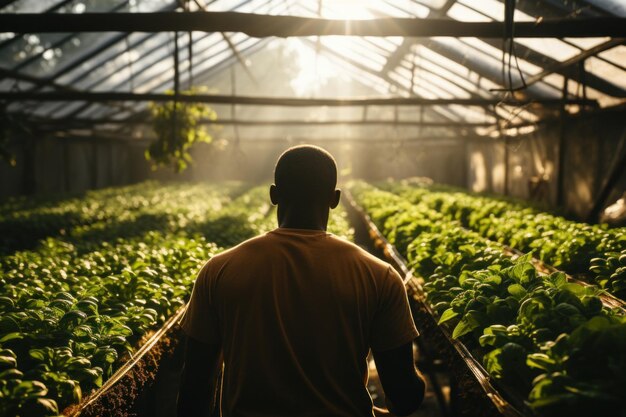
82, 122
273, 101
256, 25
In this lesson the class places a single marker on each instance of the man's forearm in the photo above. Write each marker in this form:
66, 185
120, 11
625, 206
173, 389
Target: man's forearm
415, 391
196, 393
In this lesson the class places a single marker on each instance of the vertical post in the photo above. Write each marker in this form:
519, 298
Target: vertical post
560, 196
189, 51
465, 146
94, 165
29, 181
506, 164
66, 166
176, 70
582, 75
176, 91
190, 58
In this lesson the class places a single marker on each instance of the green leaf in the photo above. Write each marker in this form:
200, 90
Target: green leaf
540, 361
11, 336
7, 362
30, 389
523, 272
38, 407
577, 289
494, 279
517, 291
447, 315
558, 279
38, 354
469, 322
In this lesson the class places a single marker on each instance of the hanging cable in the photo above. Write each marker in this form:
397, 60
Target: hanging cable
508, 50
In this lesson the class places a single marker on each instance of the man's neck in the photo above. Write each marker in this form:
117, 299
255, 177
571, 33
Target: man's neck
299, 218
302, 225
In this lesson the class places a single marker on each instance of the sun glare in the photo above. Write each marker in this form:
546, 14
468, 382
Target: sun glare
314, 70
348, 9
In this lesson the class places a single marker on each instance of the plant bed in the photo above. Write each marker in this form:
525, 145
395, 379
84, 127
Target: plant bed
532, 331
117, 396
591, 253
476, 393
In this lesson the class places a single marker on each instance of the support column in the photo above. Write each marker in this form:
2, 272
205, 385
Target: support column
560, 193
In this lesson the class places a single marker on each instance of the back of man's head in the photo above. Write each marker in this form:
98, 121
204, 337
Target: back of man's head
306, 174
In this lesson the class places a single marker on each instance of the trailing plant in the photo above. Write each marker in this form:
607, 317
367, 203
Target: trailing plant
178, 126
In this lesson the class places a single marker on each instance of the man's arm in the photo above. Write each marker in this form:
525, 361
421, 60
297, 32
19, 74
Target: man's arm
197, 385
403, 385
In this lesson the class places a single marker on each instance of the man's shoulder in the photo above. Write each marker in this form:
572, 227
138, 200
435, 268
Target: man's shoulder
337, 247
349, 249
246, 245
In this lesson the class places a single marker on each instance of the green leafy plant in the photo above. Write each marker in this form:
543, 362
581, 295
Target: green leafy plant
576, 248
76, 306
178, 126
527, 327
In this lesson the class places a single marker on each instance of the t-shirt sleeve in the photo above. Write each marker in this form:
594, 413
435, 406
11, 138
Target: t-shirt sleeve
393, 324
200, 320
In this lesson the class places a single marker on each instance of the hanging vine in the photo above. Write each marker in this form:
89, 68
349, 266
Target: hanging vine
178, 126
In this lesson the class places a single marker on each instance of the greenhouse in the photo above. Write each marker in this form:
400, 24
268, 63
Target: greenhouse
478, 147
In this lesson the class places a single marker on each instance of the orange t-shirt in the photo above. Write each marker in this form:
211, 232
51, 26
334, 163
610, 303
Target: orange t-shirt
296, 312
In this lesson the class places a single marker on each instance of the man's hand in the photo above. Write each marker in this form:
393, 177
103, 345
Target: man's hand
403, 385
381, 412
197, 385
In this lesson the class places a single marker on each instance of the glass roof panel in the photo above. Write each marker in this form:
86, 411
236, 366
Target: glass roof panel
27, 46
615, 55
440, 68
616, 7
119, 55
586, 43
346, 47
551, 47
609, 72
56, 58
433, 4
493, 9
484, 47
402, 8
465, 14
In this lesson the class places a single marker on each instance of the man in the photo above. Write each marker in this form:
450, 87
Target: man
294, 313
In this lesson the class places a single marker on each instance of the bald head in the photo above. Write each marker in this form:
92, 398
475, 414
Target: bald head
306, 174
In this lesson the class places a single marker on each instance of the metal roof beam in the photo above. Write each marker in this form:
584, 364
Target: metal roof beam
256, 25
82, 122
274, 101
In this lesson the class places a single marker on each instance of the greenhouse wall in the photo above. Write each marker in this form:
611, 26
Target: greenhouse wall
56, 165
593, 146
